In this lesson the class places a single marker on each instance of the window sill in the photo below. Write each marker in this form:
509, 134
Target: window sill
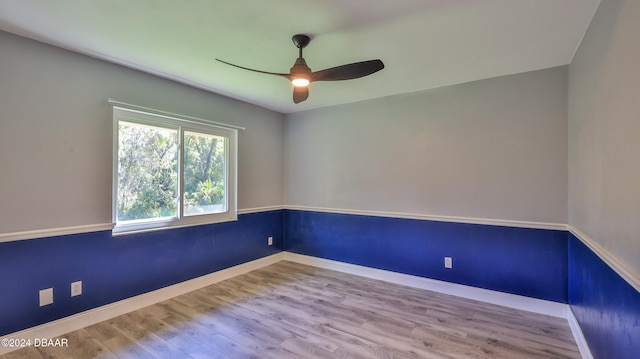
123, 230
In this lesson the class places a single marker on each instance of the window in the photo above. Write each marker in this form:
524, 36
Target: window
171, 171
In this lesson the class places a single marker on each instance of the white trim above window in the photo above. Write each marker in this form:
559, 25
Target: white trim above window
170, 171
170, 115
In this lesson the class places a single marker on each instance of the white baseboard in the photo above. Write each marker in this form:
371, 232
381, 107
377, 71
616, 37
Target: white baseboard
540, 306
81, 320
581, 341
66, 325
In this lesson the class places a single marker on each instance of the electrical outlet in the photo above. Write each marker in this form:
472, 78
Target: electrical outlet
270, 241
46, 297
448, 262
76, 288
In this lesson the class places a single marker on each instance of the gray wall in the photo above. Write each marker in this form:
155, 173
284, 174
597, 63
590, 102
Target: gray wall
604, 129
56, 135
493, 149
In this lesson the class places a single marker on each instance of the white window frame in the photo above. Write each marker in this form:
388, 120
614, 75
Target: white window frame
150, 117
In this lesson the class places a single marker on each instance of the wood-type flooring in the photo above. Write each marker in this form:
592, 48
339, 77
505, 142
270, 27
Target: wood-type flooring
290, 310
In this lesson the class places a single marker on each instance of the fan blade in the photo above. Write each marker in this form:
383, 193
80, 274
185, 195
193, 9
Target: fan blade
300, 93
349, 71
260, 71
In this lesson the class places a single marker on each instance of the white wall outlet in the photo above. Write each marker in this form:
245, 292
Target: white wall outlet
448, 262
76, 288
46, 297
270, 241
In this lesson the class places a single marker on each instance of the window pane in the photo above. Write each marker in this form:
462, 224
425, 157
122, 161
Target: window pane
147, 172
204, 174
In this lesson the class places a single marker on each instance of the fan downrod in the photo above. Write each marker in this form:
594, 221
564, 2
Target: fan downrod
301, 40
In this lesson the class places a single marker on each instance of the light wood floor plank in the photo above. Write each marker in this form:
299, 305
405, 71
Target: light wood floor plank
289, 310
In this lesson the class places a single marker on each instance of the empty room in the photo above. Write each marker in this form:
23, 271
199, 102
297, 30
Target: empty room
319, 179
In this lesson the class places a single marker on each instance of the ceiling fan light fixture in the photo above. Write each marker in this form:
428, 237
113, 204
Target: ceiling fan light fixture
300, 75
300, 82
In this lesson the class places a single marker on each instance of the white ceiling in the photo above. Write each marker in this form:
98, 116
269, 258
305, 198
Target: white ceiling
424, 43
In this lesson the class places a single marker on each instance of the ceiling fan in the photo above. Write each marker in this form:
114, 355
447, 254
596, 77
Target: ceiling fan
301, 75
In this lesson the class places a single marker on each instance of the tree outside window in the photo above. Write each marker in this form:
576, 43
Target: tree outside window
157, 158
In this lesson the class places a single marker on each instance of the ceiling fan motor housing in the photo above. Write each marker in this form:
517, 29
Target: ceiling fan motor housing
300, 70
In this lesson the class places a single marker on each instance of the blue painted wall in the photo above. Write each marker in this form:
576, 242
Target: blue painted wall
529, 262
545, 264
115, 268
605, 305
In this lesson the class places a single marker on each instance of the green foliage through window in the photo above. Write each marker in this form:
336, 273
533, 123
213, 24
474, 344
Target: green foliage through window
204, 176
147, 172
171, 172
